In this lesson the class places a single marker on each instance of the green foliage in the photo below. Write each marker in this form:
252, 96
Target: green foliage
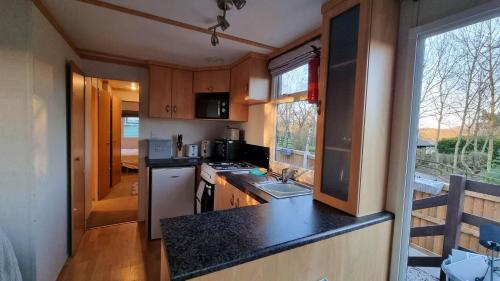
447, 146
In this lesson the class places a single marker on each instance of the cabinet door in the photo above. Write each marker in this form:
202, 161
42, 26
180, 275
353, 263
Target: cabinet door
336, 131
160, 92
240, 75
224, 196
182, 94
211, 81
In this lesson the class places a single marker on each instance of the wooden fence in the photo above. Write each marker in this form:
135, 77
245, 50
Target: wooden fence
459, 219
295, 158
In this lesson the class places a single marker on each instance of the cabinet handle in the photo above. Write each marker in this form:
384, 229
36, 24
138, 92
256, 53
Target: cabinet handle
232, 200
167, 108
210, 88
175, 108
237, 202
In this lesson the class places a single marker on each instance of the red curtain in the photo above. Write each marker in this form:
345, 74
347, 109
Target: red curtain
312, 90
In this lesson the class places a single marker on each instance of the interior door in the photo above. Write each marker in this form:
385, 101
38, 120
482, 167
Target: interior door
76, 157
116, 140
104, 144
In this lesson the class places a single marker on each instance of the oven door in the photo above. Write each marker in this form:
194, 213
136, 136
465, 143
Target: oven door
205, 197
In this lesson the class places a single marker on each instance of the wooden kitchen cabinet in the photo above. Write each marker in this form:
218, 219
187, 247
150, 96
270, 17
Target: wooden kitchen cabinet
211, 81
356, 78
182, 94
358, 255
160, 92
170, 93
250, 81
227, 196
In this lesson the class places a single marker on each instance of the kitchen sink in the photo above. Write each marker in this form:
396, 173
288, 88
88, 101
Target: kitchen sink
284, 189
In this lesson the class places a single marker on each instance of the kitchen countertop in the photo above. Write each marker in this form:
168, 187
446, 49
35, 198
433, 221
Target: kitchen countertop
200, 244
173, 162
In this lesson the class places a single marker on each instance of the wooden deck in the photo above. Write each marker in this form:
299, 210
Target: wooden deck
452, 219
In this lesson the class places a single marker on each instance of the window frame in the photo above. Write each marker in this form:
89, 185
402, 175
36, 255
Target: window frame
276, 99
404, 138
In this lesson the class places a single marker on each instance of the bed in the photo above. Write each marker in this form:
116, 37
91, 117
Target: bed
130, 158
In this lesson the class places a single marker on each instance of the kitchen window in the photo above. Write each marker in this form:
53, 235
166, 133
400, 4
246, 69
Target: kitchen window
295, 121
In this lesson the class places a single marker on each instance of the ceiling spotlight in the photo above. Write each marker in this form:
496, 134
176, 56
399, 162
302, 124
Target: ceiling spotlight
239, 4
222, 22
214, 39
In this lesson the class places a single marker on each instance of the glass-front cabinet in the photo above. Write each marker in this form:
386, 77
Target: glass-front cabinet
357, 60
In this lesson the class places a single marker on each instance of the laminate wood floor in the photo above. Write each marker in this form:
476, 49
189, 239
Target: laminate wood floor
118, 252
118, 206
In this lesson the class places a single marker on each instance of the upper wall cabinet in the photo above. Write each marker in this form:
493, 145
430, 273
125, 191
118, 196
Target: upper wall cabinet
250, 81
356, 78
170, 93
211, 81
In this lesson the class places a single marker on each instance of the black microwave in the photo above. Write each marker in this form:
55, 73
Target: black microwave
212, 105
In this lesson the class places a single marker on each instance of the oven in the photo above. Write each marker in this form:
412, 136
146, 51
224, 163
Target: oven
205, 193
205, 197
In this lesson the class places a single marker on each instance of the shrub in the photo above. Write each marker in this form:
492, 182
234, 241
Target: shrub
447, 146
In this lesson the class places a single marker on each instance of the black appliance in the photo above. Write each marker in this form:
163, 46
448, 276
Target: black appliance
205, 200
212, 105
228, 150
256, 155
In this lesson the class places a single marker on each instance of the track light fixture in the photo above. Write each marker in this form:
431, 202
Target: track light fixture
214, 40
222, 22
239, 4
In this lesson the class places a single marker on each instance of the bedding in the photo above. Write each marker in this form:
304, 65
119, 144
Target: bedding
130, 158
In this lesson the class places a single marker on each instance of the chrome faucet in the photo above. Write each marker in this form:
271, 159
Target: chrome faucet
287, 174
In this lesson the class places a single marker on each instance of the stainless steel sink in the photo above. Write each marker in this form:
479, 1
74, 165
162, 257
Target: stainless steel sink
283, 190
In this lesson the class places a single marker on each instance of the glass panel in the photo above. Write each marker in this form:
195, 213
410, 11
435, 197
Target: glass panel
131, 127
296, 134
294, 81
339, 103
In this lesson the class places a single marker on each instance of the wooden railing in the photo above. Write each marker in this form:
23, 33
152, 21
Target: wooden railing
455, 216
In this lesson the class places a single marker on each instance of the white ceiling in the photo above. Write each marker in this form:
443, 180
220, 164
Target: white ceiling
271, 22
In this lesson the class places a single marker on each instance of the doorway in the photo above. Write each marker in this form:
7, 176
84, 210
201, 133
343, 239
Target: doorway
113, 127
455, 130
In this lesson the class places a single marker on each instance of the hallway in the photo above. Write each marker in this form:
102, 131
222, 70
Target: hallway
118, 252
119, 206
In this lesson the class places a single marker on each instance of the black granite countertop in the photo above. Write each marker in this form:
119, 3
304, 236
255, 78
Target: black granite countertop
199, 244
172, 162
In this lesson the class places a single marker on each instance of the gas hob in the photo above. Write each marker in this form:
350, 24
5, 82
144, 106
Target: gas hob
210, 169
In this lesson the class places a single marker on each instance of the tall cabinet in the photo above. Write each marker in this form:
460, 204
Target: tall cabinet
356, 84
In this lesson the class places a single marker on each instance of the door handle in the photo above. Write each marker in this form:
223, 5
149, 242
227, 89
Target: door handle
167, 108
237, 202
232, 200
175, 108
77, 158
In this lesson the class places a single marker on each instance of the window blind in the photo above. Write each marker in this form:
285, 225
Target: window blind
293, 58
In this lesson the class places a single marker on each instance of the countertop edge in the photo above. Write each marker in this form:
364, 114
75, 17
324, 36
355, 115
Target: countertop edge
380, 218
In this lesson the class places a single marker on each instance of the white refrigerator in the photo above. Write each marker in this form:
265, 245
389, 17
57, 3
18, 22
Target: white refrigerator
172, 195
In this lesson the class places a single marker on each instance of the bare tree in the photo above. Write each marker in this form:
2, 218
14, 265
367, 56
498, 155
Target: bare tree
470, 50
491, 65
439, 75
